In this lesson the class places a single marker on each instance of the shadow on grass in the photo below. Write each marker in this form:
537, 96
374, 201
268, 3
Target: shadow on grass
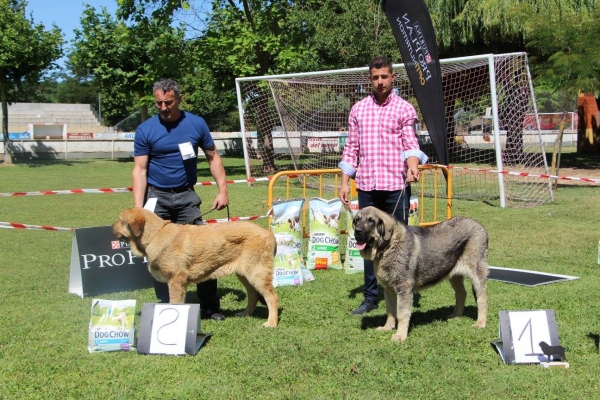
579, 161
419, 318
261, 310
596, 338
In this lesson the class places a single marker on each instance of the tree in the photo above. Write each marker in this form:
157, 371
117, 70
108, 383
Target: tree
568, 60
26, 51
252, 37
345, 34
125, 59
65, 85
469, 27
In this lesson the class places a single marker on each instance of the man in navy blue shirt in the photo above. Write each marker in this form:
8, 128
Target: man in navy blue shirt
165, 168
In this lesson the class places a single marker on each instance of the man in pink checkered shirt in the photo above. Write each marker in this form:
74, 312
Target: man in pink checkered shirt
382, 155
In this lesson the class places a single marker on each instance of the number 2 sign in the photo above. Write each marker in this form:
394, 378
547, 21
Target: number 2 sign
522, 331
170, 329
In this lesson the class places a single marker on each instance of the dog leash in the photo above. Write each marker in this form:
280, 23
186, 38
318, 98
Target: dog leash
398, 201
213, 209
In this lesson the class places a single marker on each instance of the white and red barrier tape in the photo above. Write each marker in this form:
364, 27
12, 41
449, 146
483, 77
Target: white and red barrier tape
527, 174
115, 190
15, 225
214, 221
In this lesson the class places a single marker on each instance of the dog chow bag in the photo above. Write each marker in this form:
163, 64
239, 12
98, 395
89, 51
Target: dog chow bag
287, 227
111, 325
353, 262
324, 242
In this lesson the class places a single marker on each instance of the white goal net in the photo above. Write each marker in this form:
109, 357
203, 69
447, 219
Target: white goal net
299, 122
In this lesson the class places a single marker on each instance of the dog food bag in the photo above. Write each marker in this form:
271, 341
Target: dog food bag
324, 242
287, 227
353, 262
413, 214
111, 325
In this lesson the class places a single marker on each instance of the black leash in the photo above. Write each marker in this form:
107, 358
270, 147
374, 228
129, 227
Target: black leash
213, 209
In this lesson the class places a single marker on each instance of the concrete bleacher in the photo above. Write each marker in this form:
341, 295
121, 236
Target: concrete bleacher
79, 118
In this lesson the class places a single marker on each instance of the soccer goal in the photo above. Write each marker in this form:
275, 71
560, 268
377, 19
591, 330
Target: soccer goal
299, 122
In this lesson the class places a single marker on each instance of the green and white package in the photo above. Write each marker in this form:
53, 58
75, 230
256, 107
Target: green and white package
286, 225
413, 215
353, 262
324, 242
111, 325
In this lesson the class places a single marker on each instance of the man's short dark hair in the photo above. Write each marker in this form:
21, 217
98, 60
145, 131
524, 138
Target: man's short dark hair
166, 85
381, 62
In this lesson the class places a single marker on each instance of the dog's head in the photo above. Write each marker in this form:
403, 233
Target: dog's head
132, 226
373, 230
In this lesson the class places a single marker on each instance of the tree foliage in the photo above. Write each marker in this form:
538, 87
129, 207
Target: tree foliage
567, 55
345, 34
26, 51
125, 59
237, 38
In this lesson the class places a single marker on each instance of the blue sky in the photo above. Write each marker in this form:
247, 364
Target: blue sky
64, 13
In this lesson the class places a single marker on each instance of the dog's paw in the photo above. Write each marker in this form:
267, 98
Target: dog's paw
241, 314
269, 325
454, 315
398, 338
385, 328
478, 325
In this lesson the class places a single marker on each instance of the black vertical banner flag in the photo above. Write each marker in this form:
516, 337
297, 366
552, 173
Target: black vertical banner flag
413, 30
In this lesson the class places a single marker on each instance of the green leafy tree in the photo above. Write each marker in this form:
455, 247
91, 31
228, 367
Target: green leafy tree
566, 47
344, 34
124, 59
62, 86
26, 51
563, 36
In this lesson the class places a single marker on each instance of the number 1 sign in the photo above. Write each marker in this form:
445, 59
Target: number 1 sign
520, 335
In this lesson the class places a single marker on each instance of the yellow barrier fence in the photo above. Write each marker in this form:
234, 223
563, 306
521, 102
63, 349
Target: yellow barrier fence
326, 182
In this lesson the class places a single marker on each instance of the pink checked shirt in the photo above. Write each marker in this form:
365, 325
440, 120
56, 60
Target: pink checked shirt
383, 136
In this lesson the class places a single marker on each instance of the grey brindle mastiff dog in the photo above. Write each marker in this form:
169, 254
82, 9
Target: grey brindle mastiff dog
408, 259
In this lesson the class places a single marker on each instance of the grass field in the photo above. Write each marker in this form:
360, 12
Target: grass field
319, 351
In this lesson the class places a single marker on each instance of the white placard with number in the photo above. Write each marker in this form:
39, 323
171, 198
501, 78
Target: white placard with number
521, 333
169, 329
528, 329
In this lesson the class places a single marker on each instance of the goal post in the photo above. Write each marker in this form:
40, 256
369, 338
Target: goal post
299, 122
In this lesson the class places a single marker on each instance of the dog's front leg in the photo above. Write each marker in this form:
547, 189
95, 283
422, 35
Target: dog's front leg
177, 285
390, 309
403, 312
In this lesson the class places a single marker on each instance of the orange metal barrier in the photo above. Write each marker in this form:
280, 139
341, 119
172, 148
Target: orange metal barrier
335, 179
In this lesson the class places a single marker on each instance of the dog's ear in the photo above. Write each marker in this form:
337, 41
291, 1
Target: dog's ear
385, 226
136, 224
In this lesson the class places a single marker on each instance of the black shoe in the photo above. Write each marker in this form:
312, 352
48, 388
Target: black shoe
214, 315
366, 307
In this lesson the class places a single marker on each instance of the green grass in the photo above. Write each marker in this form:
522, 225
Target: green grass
319, 351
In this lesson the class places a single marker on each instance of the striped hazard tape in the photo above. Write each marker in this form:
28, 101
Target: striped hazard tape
529, 175
116, 190
214, 221
16, 225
